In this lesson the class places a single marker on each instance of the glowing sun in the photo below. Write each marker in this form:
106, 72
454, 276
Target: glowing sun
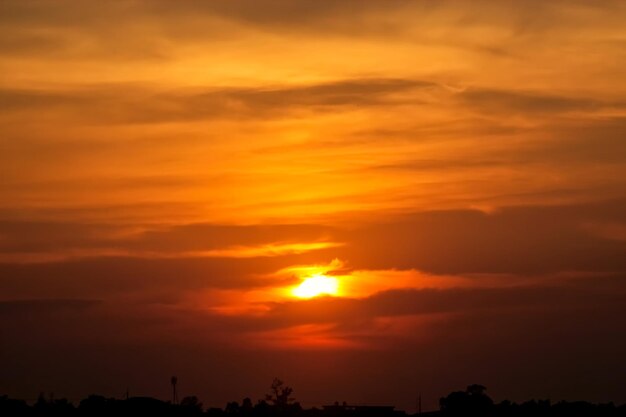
316, 285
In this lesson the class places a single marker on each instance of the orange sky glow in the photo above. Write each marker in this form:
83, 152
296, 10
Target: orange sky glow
341, 191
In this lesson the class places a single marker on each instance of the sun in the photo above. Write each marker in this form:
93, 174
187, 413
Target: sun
316, 285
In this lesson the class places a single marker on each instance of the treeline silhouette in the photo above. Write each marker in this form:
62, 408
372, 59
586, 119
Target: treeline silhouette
474, 401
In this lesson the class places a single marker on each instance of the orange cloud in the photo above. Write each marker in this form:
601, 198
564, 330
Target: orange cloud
456, 168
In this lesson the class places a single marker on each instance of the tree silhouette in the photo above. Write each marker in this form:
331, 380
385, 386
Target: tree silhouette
246, 407
191, 405
232, 407
473, 400
280, 394
246, 404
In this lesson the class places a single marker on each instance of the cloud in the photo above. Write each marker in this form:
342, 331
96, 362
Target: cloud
186, 164
418, 332
137, 104
31, 241
436, 302
595, 142
607, 230
520, 102
119, 275
44, 306
520, 240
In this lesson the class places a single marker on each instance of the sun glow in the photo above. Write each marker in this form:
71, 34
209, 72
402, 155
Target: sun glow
316, 285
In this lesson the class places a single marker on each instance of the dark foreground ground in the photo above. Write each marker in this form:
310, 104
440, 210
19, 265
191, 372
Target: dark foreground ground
471, 402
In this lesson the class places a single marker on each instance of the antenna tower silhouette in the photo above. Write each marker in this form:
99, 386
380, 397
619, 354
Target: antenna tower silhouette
174, 381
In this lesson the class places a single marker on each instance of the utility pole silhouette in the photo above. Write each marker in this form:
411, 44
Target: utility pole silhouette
419, 404
174, 381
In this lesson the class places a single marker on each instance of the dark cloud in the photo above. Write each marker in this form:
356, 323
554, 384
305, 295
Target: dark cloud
40, 236
570, 145
19, 236
300, 14
208, 236
519, 240
157, 182
333, 19
516, 240
16, 44
437, 164
593, 142
119, 275
44, 306
354, 314
126, 304
275, 11
150, 30
108, 213
472, 334
339, 17
521, 102
134, 104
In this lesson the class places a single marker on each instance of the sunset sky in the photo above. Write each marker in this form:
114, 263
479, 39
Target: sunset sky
449, 176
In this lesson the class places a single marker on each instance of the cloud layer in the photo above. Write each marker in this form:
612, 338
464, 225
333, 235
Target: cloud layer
170, 171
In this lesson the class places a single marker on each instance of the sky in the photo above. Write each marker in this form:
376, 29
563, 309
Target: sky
371, 200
